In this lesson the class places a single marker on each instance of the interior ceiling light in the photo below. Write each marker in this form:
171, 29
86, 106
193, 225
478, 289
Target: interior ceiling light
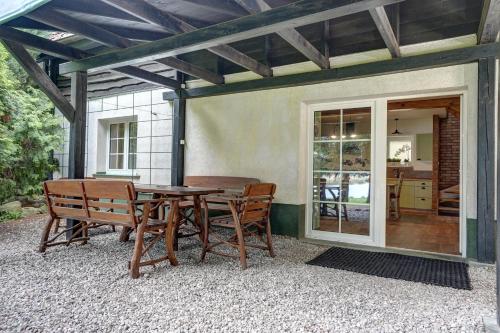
396, 132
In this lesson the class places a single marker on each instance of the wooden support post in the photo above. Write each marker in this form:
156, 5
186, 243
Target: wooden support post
485, 160
498, 200
76, 166
179, 119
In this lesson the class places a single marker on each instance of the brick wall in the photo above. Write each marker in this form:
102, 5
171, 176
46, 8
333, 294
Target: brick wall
449, 151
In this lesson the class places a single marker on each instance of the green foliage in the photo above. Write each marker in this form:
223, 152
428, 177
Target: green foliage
10, 215
28, 132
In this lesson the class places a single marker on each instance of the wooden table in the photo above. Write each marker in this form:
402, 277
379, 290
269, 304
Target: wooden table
165, 191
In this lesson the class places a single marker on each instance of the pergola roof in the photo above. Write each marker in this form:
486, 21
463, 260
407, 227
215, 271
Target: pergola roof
101, 27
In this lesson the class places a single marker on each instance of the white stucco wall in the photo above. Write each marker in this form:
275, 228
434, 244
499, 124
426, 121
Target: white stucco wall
263, 134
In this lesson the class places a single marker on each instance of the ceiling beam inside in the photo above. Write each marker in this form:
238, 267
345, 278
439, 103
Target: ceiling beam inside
296, 14
292, 36
154, 15
489, 26
383, 24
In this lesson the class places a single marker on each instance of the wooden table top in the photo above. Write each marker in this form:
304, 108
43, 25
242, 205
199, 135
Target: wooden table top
176, 190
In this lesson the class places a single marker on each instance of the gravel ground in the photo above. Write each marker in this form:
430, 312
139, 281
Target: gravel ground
86, 288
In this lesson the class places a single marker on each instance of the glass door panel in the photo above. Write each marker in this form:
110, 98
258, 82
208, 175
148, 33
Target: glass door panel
341, 177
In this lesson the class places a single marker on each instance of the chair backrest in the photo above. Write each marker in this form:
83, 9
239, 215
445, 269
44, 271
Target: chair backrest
400, 184
65, 198
111, 201
219, 182
258, 200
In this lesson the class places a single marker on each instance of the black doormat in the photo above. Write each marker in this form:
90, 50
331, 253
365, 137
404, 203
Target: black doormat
396, 266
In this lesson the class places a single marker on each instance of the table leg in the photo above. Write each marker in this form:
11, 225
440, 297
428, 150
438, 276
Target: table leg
197, 216
173, 220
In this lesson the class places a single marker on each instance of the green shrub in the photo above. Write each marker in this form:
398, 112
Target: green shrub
10, 215
28, 132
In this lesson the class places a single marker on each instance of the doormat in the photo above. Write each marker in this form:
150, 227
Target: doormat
397, 266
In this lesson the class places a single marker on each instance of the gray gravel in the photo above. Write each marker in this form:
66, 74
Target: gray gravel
86, 288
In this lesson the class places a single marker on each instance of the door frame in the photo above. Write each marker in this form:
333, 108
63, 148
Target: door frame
463, 171
378, 174
332, 236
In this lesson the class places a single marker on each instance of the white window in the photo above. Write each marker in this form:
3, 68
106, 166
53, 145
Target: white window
400, 148
122, 147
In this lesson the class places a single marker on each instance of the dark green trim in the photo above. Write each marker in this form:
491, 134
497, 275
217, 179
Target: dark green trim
287, 219
293, 15
398, 65
471, 239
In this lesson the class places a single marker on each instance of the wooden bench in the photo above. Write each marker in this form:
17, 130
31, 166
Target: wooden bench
112, 203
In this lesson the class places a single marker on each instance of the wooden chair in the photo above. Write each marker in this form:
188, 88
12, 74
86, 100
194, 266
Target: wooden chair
394, 199
215, 202
106, 203
251, 219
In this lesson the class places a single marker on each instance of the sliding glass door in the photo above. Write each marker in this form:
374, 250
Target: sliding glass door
341, 172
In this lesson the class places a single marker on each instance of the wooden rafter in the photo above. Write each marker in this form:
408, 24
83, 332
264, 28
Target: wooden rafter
383, 24
292, 36
41, 78
110, 39
71, 53
397, 65
154, 15
225, 7
489, 26
289, 16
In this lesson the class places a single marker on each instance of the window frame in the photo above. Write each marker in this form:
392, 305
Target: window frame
126, 145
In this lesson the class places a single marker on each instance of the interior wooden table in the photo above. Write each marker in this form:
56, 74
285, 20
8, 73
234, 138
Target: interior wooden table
165, 191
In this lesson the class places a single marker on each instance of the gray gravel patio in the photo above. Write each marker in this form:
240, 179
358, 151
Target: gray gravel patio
86, 288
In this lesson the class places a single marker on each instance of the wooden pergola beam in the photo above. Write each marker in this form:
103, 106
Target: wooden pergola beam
69, 24
292, 36
225, 7
396, 65
70, 53
289, 16
383, 24
489, 26
105, 37
41, 78
156, 16
39, 43
188, 68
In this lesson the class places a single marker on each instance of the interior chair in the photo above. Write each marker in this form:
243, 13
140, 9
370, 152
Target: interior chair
249, 218
394, 199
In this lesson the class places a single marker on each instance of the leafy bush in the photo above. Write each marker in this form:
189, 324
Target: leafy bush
10, 215
28, 132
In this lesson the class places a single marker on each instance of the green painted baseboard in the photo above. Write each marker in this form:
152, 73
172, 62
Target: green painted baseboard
287, 219
471, 239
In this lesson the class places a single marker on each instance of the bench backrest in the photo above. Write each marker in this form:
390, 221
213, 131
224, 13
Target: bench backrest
93, 200
111, 201
65, 198
219, 182
258, 201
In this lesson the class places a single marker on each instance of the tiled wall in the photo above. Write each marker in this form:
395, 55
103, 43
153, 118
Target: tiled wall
154, 137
